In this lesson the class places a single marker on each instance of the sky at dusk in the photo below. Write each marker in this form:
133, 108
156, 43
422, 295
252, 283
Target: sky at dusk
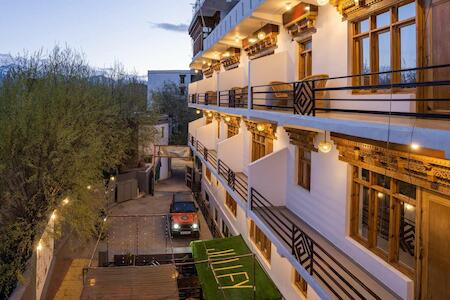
140, 34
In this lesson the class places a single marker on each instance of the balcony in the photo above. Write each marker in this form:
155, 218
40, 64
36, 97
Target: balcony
336, 273
236, 181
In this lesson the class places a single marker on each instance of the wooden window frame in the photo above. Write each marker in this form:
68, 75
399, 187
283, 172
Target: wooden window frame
305, 59
262, 145
300, 283
261, 241
394, 29
208, 174
303, 169
395, 200
231, 204
232, 130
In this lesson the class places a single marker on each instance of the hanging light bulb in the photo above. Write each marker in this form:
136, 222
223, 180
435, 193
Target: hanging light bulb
89, 187
261, 35
260, 127
227, 119
322, 2
325, 146
65, 201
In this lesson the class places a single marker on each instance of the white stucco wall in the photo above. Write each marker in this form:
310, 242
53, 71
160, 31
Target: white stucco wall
228, 151
207, 135
192, 126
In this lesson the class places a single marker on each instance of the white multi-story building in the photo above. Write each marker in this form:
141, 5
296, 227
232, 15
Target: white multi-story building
325, 141
158, 78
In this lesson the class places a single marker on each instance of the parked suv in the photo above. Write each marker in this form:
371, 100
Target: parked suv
183, 215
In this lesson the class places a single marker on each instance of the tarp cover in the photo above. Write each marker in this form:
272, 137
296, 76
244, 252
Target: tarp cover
173, 151
228, 276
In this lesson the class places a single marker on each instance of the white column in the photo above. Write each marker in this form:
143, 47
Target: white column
249, 84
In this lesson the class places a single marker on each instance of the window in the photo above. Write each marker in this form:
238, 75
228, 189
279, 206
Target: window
162, 132
300, 283
261, 145
304, 168
216, 216
232, 130
208, 174
261, 241
225, 230
218, 129
182, 79
385, 41
383, 217
182, 90
305, 63
231, 204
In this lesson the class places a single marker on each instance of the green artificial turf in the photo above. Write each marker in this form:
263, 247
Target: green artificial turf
242, 268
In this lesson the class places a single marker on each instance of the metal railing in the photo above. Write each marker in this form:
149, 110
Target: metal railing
234, 181
234, 98
329, 271
391, 93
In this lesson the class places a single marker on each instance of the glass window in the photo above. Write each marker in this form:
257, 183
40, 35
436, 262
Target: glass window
304, 168
383, 221
384, 57
231, 204
382, 180
408, 52
301, 284
407, 237
363, 26
383, 19
307, 45
363, 223
365, 174
406, 189
407, 11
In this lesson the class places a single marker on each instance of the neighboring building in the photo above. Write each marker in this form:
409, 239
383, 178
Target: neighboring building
318, 155
157, 79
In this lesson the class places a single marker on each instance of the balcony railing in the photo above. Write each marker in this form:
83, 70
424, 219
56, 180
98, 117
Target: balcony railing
236, 181
361, 94
234, 98
323, 266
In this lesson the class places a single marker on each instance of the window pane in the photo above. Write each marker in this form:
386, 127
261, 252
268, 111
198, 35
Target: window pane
407, 235
363, 222
383, 221
363, 26
408, 52
365, 60
382, 180
407, 11
307, 45
365, 174
407, 189
384, 57
383, 19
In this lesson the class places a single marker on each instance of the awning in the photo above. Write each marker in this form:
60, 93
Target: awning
227, 269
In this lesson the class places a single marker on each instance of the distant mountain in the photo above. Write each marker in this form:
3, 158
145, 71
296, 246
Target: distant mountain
6, 59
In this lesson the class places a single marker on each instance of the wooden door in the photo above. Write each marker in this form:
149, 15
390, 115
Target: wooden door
440, 54
435, 266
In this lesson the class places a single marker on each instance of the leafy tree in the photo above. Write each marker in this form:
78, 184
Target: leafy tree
168, 101
61, 128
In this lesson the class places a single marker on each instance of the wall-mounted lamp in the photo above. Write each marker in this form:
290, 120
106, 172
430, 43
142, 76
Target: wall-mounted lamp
325, 146
227, 119
260, 127
415, 146
261, 35
322, 2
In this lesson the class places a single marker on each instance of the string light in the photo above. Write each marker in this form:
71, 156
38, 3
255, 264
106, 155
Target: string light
89, 187
65, 201
112, 178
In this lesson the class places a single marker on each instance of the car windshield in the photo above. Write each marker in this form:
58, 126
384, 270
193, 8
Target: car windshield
184, 207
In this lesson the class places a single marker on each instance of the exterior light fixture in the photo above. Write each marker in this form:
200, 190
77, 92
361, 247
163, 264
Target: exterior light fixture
325, 146
380, 195
65, 201
237, 39
39, 246
227, 119
307, 8
53, 216
112, 178
260, 127
288, 6
261, 35
92, 282
409, 206
89, 187
204, 62
356, 2
104, 219
209, 64
252, 40
322, 2
210, 114
226, 54
196, 71
415, 146
198, 111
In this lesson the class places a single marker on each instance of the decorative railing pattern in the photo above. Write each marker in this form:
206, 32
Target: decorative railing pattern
325, 268
234, 98
431, 85
235, 182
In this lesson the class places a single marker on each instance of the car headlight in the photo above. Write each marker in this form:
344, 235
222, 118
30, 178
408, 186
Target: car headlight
176, 226
195, 226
